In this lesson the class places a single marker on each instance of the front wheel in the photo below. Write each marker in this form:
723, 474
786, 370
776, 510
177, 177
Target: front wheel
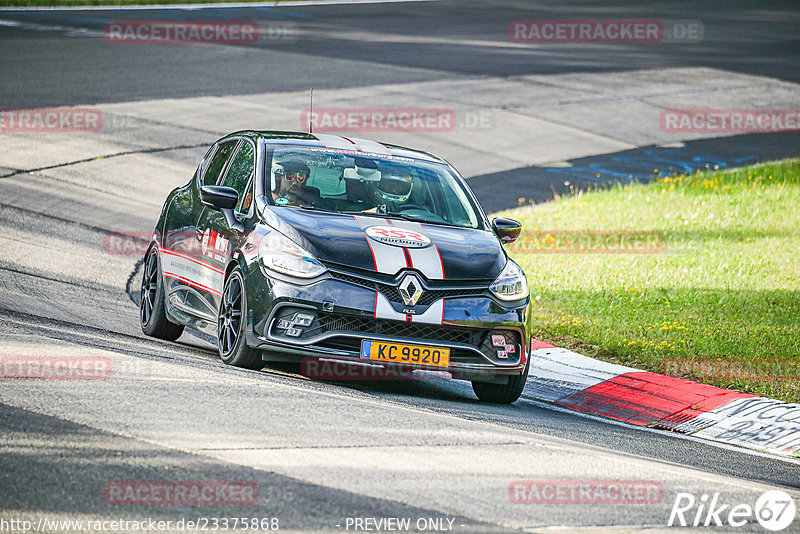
502, 393
233, 348
152, 317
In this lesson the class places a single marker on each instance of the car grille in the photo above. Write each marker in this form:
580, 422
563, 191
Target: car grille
360, 326
351, 344
467, 336
391, 292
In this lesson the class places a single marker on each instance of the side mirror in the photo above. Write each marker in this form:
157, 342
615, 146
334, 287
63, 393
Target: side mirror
507, 230
219, 197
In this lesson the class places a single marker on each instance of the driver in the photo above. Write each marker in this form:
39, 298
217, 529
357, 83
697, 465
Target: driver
393, 189
289, 180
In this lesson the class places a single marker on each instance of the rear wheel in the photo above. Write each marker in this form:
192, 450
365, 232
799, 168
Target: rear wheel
231, 323
152, 317
502, 393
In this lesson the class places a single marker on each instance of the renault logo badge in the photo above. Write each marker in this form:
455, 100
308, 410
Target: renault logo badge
410, 290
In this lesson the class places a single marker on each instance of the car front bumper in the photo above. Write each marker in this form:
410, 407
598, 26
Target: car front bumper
344, 314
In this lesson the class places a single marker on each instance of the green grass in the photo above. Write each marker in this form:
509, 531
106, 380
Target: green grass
719, 304
75, 3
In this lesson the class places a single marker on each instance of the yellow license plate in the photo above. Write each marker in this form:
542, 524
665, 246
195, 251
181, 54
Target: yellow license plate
408, 354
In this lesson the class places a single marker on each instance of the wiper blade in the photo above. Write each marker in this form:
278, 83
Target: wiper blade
407, 217
357, 212
316, 208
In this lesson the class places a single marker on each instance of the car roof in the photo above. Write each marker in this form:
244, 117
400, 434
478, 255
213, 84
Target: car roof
338, 142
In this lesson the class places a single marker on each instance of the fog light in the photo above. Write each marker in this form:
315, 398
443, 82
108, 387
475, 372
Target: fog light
498, 340
303, 319
283, 324
503, 355
294, 332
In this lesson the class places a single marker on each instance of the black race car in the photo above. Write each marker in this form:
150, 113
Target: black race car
291, 245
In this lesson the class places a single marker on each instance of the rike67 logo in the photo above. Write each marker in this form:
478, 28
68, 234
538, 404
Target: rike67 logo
774, 510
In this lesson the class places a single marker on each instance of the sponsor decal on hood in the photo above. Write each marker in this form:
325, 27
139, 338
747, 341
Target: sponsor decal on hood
398, 237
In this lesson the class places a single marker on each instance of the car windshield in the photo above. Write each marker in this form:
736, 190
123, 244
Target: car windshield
360, 182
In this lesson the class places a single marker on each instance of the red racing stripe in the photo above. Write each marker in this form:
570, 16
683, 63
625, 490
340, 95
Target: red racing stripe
190, 258
440, 259
642, 398
435, 248
374, 261
191, 283
354, 143
320, 140
406, 255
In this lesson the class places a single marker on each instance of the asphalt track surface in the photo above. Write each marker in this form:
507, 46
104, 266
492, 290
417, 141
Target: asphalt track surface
440, 39
318, 452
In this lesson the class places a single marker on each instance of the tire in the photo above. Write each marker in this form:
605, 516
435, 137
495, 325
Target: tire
233, 348
502, 393
152, 317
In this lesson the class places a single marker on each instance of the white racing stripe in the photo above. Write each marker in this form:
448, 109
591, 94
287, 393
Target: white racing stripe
426, 260
388, 258
335, 141
191, 271
365, 145
384, 310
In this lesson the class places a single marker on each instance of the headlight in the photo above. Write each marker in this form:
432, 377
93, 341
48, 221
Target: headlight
281, 255
511, 284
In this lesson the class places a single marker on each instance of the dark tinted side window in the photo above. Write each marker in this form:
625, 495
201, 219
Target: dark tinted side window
218, 162
240, 172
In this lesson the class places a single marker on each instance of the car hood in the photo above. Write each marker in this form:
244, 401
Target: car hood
341, 239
